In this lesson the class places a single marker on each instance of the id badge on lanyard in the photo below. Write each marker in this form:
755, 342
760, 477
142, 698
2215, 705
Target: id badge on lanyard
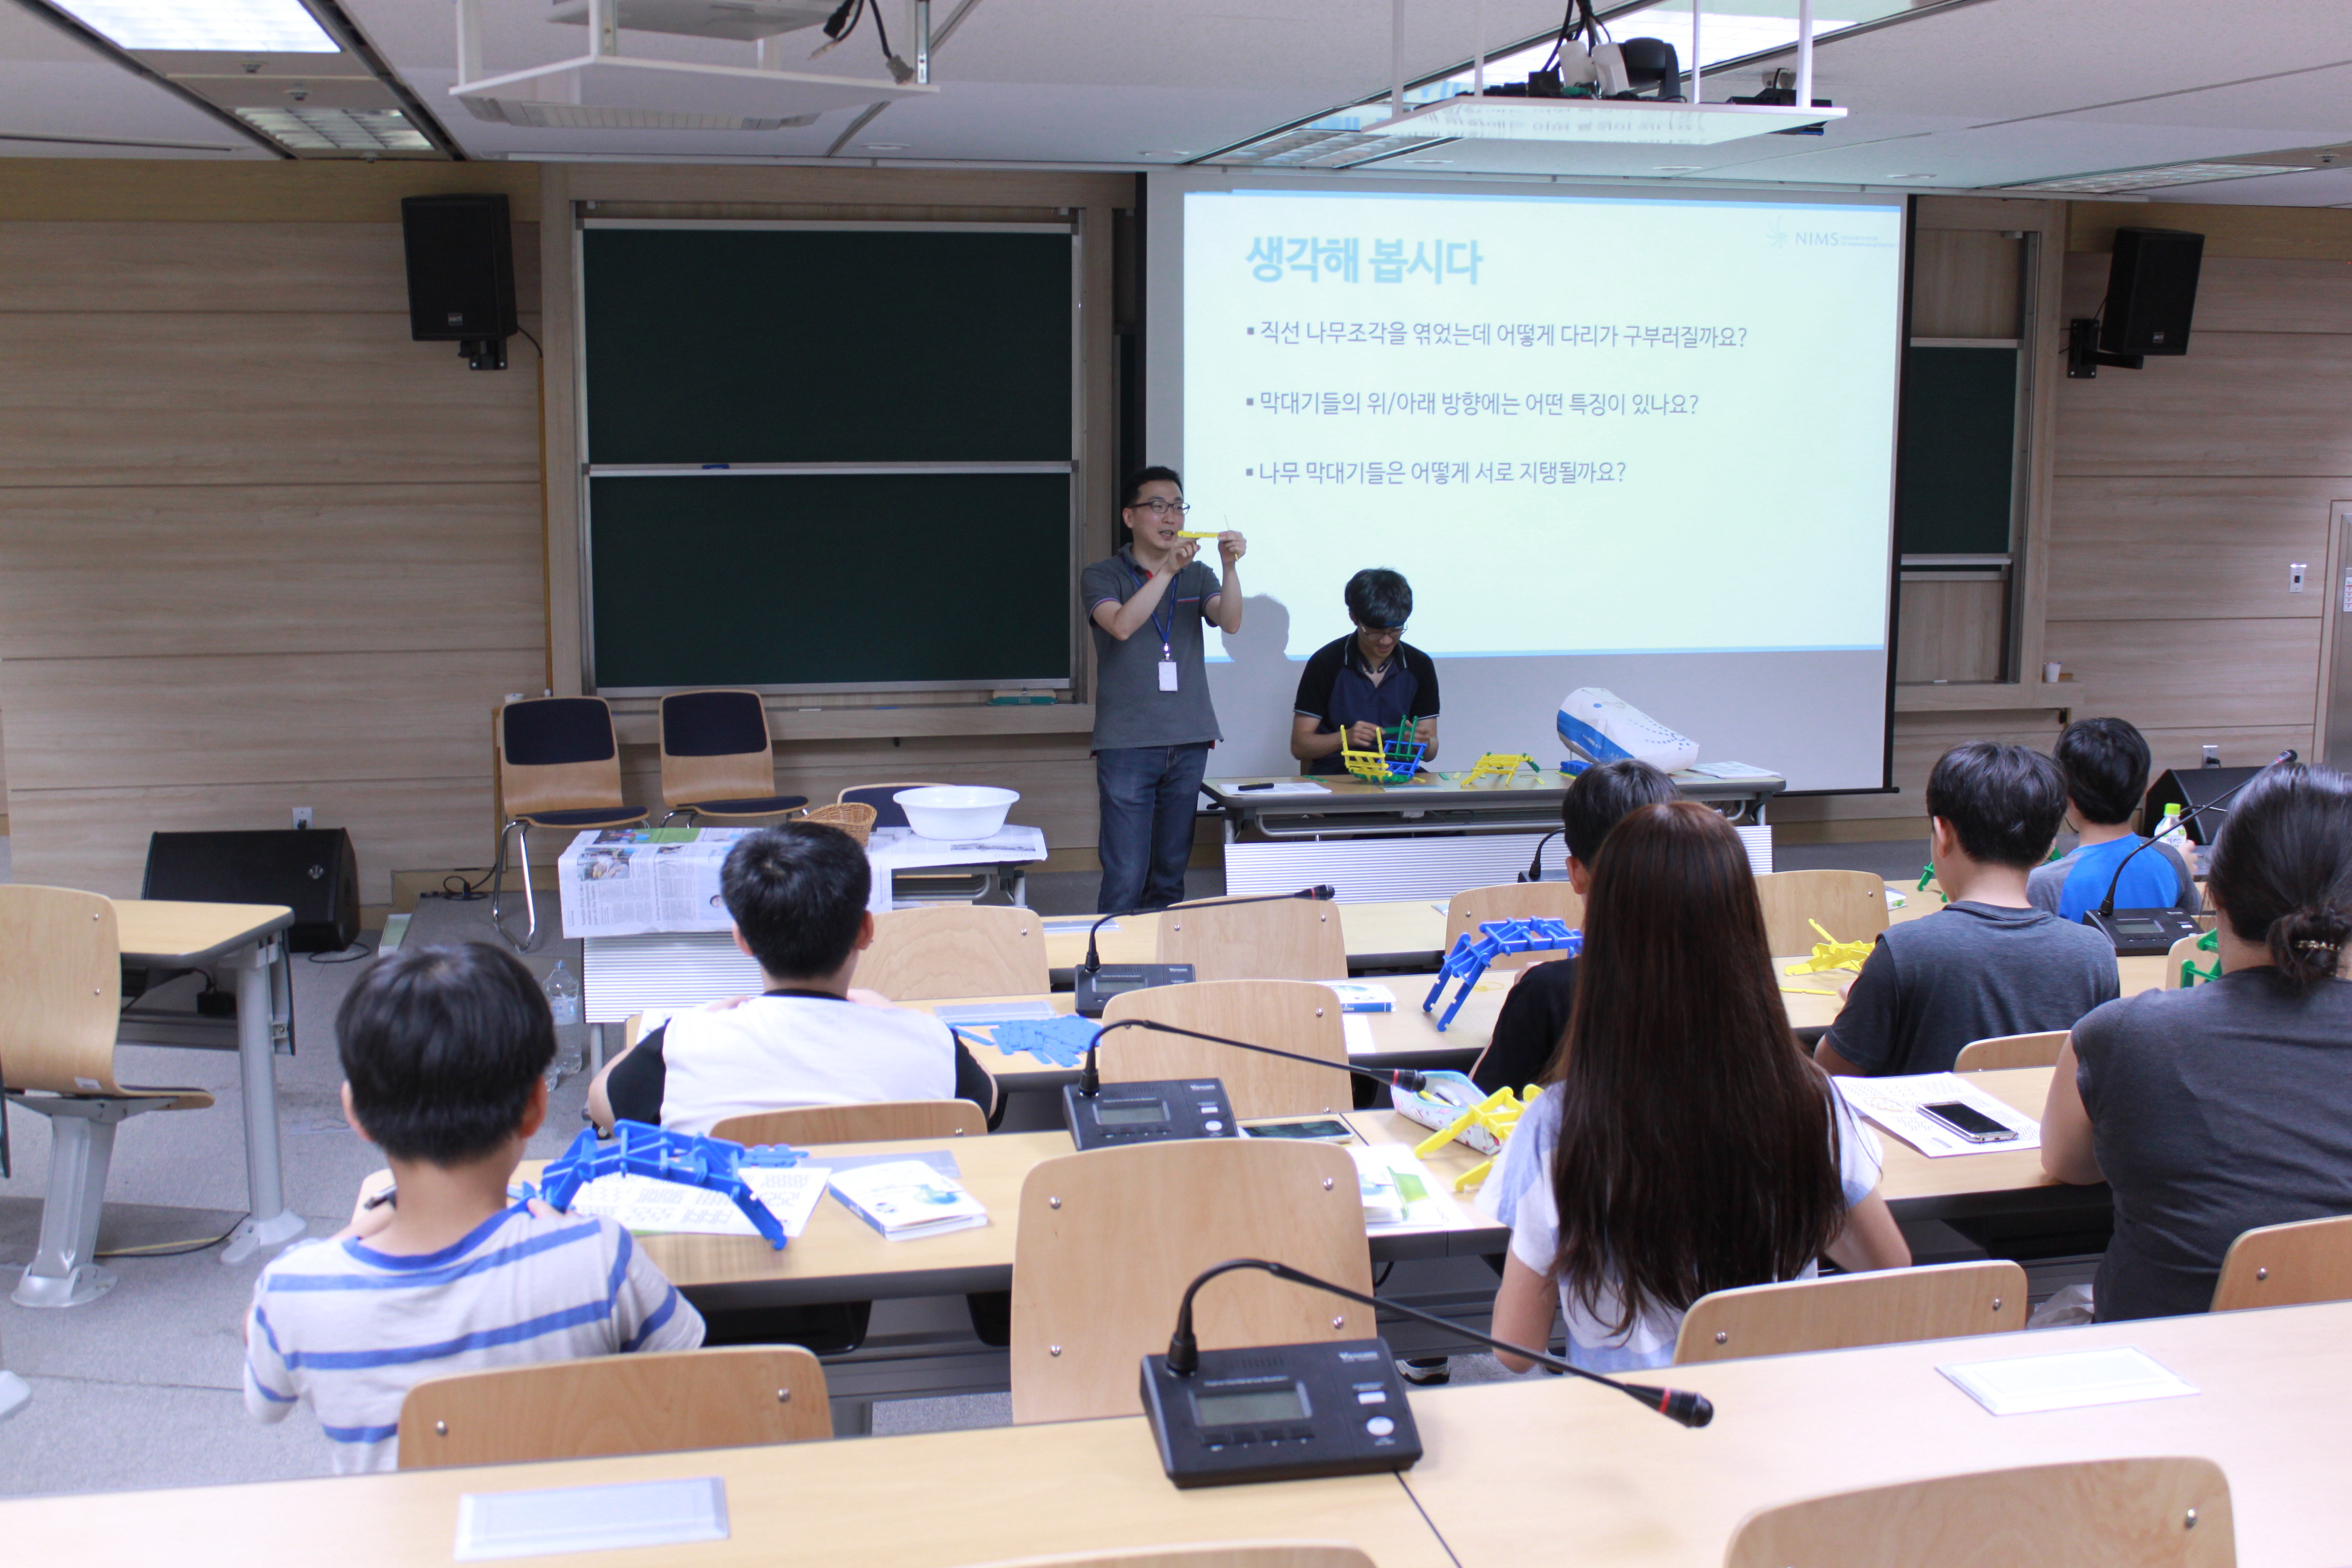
1167, 634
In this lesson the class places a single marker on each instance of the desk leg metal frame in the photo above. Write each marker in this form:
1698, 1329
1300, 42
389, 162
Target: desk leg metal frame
270, 1224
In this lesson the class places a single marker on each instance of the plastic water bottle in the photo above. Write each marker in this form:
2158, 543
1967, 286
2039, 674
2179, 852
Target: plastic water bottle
2171, 830
563, 1005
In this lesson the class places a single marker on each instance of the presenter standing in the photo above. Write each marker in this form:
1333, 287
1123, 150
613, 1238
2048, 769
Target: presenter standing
1365, 682
1153, 720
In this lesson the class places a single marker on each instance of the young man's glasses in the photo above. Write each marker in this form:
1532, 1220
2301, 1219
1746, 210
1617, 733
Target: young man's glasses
1158, 507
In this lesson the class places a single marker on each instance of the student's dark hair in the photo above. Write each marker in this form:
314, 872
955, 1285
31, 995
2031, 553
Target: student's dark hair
2104, 762
797, 892
1132, 491
2282, 871
1379, 597
441, 1046
1600, 798
1696, 1150
2004, 801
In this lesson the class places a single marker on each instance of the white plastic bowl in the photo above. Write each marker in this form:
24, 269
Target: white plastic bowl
956, 811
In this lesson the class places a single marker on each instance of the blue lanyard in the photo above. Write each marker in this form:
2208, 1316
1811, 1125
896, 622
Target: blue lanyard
1167, 632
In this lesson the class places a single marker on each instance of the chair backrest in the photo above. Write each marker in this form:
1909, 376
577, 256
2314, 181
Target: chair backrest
1215, 1554
60, 989
1109, 1240
2287, 1264
1851, 905
660, 1403
1281, 939
1512, 901
2011, 1051
557, 753
2149, 1512
1941, 1301
1287, 1015
2185, 951
883, 798
884, 1122
714, 746
957, 950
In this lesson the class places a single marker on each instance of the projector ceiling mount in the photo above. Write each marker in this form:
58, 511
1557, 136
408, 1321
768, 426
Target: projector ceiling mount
605, 89
1477, 116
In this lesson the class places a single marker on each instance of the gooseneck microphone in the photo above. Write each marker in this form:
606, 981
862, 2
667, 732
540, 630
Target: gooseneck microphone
1090, 1081
1184, 1351
1093, 965
1534, 873
2107, 904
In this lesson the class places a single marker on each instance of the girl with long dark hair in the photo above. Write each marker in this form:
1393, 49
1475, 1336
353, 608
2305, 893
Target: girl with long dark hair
1688, 1144
2212, 1111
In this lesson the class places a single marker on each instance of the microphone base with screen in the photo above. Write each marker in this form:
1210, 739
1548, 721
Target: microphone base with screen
2143, 933
1281, 1413
1095, 988
1160, 1110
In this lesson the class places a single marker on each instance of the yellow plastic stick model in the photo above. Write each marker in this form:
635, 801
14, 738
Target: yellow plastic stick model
1499, 766
1830, 954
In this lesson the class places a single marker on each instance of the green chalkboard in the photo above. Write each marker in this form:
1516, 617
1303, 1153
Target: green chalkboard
1953, 465
760, 345
776, 579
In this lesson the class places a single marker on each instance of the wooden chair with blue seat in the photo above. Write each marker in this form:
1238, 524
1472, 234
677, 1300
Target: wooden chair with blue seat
558, 767
60, 992
718, 761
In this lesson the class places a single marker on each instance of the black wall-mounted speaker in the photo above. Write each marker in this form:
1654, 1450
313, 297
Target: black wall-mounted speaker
2151, 292
461, 274
311, 871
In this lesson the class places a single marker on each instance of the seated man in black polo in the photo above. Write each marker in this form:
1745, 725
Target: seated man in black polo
1366, 681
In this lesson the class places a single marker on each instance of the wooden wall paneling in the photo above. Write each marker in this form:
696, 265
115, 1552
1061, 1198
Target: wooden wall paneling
2238, 294
84, 724
2175, 675
2188, 548
97, 839
1950, 628
1965, 283
1993, 213
269, 268
223, 569
2046, 368
560, 434
2242, 746
2250, 405
228, 398
151, 190
2279, 234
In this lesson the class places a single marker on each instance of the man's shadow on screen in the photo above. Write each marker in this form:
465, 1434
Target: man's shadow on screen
1261, 687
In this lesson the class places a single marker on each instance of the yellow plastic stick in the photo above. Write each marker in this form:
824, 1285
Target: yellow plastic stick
1197, 533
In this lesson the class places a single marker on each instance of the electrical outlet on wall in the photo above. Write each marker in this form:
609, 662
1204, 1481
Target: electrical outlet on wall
2212, 757
301, 817
2294, 571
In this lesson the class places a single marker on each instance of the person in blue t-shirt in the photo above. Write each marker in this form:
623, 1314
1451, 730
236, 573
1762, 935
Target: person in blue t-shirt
2105, 764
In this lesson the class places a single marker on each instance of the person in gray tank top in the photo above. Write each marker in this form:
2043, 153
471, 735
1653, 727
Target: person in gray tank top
2216, 1110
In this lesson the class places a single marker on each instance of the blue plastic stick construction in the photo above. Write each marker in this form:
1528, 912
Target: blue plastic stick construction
1060, 1042
637, 1150
1472, 954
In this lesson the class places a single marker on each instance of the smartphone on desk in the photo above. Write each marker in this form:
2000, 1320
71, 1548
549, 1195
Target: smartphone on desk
1968, 1121
1316, 1129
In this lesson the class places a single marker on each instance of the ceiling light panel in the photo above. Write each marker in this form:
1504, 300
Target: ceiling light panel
338, 129
2115, 182
267, 27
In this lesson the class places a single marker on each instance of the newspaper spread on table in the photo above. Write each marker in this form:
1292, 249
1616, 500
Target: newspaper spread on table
632, 881
1893, 1103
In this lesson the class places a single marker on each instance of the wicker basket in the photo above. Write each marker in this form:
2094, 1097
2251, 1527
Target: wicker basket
853, 817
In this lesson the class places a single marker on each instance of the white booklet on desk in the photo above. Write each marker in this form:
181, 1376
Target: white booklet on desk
908, 1198
649, 1206
1895, 1104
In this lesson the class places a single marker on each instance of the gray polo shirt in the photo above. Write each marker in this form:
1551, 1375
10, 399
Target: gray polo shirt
1129, 707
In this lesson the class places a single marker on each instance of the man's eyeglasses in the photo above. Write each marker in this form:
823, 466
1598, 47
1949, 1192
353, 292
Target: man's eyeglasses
1158, 507
1384, 631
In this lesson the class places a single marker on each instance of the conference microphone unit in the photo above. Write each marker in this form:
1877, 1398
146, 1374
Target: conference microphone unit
1284, 1412
1534, 873
1161, 1110
2150, 934
1097, 982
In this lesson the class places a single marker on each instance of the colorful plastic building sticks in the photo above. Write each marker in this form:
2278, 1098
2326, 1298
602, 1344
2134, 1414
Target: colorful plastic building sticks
1830, 954
1059, 1041
637, 1150
1451, 1103
1927, 875
1499, 765
2192, 975
1397, 760
1471, 955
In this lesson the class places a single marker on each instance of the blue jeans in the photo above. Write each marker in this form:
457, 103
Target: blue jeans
1149, 797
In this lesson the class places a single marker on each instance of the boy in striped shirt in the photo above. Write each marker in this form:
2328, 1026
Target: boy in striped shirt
442, 1051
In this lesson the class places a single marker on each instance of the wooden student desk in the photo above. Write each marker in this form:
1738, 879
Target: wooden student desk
934, 1500
1518, 1471
242, 938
